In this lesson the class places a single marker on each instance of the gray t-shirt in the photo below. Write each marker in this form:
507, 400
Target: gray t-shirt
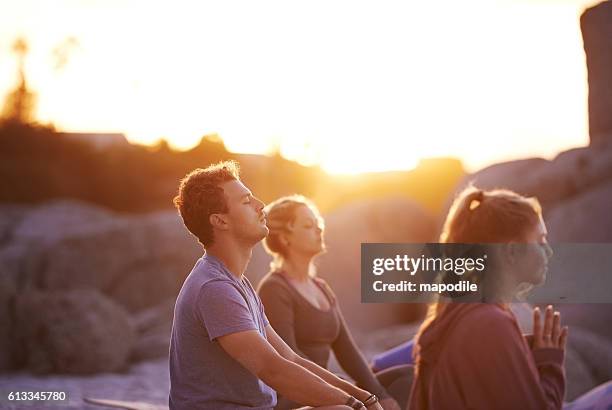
213, 303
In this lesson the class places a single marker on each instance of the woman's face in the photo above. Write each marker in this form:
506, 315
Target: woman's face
305, 235
532, 257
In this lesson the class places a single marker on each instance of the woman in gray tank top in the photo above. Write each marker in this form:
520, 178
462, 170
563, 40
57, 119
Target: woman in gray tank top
303, 309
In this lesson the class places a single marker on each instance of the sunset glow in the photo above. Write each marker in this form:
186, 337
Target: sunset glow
352, 86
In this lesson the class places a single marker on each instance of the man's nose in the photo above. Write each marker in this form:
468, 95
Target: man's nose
549, 251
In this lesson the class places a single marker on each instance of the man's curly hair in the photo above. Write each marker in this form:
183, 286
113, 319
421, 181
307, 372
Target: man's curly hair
200, 196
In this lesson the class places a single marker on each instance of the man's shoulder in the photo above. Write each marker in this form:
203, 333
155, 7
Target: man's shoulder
205, 271
205, 276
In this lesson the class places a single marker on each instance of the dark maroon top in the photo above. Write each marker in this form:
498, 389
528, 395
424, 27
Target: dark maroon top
475, 357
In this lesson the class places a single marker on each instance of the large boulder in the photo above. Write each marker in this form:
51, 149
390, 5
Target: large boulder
136, 260
597, 39
78, 331
380, 220
516, 175
10, 216
52, 255
8, 291
583, 218
154, 326
569, 174
587, 219
55, 220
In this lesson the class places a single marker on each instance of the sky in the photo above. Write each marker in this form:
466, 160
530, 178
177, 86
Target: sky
353, 86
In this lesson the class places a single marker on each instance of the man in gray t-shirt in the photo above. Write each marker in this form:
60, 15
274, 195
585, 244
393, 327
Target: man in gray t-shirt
223, 352
212, 303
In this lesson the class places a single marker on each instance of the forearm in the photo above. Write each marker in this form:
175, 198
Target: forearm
334, 380
357, 368
352, 361
301, 385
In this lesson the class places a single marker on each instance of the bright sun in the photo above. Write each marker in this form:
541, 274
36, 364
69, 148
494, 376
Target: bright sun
354, 87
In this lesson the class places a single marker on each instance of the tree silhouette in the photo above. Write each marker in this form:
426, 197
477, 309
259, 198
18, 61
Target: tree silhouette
20, 104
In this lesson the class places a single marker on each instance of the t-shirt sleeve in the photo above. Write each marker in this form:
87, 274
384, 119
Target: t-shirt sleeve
263, 313
223, 310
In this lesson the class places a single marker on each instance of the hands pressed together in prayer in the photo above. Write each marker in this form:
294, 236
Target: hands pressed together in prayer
550, 334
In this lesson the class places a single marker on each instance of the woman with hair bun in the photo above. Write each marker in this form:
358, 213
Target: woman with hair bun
303, 309
473, 355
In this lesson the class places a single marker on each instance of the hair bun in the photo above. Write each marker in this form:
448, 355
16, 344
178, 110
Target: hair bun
476, 199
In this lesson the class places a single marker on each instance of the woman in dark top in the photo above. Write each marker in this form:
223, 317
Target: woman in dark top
303, 309
473, 355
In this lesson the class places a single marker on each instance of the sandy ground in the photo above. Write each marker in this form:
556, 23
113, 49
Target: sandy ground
146, 382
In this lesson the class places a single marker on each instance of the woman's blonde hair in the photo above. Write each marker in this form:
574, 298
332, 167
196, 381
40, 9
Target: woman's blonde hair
280, 215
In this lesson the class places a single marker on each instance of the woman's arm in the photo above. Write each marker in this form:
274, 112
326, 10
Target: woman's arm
278, 306
353, 362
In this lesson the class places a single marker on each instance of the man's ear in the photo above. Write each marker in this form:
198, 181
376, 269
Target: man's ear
218, 221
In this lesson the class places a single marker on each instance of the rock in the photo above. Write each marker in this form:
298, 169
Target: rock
154, 326
136, 260
8, 290
99, 259
154, 317
571, 173
577, 375
584, 218
10, 217
597, 38
381, 220
65, 246
152, 345
595, 352
59, 219
78, 331
515, 175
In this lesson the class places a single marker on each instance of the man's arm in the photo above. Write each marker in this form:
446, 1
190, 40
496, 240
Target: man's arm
288, 378
285, 351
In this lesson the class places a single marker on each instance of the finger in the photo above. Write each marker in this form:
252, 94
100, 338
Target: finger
563, 337
548, 321
556, 328
537, 326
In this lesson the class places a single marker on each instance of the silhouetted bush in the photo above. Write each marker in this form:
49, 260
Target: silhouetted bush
38, 164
